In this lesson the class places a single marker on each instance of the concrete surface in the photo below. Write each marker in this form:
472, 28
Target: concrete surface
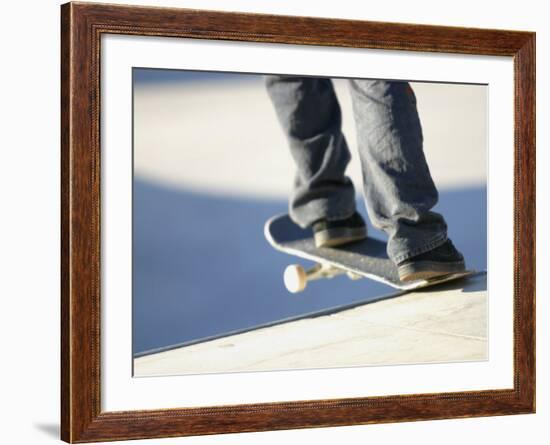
443, 324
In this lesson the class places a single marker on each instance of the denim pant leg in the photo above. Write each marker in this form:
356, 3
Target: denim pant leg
399, 190
310, 115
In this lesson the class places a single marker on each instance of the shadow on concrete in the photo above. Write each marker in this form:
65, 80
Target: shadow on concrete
476, 285
202, 267
472, 283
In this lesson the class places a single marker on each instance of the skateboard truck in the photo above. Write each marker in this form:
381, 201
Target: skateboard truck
296, 277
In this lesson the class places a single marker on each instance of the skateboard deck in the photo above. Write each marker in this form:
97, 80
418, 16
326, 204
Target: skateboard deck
366, 258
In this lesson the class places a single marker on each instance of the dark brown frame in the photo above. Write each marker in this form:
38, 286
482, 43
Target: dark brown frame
82, 25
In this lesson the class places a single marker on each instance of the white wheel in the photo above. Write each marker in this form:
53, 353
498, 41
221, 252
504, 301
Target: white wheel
295, 278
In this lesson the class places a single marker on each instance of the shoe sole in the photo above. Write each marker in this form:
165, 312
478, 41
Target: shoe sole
339, 236
426, 270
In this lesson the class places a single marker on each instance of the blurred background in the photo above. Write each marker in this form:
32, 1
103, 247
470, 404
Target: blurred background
211, 165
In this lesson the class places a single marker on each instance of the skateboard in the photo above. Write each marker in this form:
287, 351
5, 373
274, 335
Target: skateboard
362, 259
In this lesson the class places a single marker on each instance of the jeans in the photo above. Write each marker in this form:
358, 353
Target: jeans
398, 188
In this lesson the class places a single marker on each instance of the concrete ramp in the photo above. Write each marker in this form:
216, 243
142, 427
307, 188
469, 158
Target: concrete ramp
446, 323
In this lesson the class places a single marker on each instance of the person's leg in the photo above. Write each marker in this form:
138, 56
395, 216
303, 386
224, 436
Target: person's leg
309, 113
399, 190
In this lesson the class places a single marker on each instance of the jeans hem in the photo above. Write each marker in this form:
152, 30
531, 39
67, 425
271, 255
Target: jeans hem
313, 211
430, 245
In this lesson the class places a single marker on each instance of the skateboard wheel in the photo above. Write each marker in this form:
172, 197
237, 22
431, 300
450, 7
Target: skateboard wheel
295, 278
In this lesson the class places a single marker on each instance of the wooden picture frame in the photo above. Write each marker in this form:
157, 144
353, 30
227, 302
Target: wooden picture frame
82, 25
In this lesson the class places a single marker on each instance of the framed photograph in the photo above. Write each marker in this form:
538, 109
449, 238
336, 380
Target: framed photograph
274, 222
